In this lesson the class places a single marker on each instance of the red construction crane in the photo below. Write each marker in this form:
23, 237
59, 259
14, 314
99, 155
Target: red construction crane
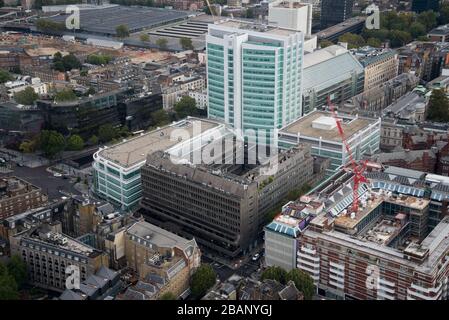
357, 169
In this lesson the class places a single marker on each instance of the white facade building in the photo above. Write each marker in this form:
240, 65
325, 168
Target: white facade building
200, 98
294, 15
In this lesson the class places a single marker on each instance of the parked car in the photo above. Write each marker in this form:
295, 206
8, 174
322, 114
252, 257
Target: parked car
256, 257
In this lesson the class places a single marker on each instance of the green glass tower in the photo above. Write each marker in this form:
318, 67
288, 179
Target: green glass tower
254, 75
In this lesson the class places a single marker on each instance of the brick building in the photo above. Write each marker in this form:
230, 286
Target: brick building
17, 196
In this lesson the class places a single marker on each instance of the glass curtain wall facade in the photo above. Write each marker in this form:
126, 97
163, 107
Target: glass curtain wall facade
254, 77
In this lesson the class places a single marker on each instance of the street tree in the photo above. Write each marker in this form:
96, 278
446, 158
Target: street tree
186, 43
168, 296
160, 117
162, 43
353, 40
274, 273
144, 37
122, 31
303, 282
107, 132
8, 286
51, 142
75, 143
325, 43
186, 107
438, 106
5, 76
202, 280
18, 270
417, 29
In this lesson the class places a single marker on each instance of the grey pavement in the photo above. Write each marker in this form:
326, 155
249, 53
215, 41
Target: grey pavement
40, 177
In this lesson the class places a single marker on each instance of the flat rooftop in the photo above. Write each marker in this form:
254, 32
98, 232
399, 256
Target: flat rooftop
135, 150
289, 5
158, 236
105, 20
70, 244
304, 126
255, 27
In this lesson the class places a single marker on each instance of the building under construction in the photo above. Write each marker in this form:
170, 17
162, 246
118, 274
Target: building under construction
394, 247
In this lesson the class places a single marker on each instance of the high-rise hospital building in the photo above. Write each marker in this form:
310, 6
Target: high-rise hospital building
254, 74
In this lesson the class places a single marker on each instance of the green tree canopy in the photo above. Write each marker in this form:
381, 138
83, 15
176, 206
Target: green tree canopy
8, 285
162, 43
144, 37
303, 282
374, 42
417, 29
186, 43
49, 25
438, 106
353, 40
65, 95
98, 59
202, 280
93, 140
66, 63
18, 270
250, 13
428, 19
186, 107
5, 76
160, 117
108, 132
325, 43
75, 143
51, 142
399, 38
27, 96
444, 13
122, 31
274, 273
28, 146
168, 296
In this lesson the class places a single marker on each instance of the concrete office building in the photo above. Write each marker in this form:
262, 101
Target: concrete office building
319, 129
330, 72
117, 168
391, 233
223, 206
380, 65
291, 14
254, 74
335, 11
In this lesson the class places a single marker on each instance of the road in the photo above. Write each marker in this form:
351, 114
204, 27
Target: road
224, 272
45, 180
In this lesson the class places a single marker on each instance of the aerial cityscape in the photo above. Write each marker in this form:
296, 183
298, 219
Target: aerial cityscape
230, 150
